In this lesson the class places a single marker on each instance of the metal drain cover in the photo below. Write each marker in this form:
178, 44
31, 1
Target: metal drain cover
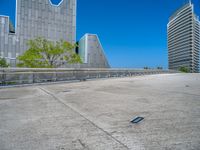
137, 120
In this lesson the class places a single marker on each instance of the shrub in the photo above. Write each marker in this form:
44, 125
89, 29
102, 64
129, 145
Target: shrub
184, 69
3, 63
160, 68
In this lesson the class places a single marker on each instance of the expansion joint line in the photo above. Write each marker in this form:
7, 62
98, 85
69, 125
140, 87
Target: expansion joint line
62, 102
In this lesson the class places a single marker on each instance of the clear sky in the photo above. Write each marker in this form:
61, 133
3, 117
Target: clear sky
132, 32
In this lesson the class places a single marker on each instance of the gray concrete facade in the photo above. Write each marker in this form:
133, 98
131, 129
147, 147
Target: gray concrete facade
184, 39
91, 52
37, 18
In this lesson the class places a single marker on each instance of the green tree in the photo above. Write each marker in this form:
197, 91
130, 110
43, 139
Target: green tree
160, 68
43, 53
3, 63
184, 69
146, 68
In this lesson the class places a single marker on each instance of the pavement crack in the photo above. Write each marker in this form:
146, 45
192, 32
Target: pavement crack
82, 144
76, 111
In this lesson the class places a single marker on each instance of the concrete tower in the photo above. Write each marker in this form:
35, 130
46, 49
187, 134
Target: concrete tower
91, 52
36, 18
184, 39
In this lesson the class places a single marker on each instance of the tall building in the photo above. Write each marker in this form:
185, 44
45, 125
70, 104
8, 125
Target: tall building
91, 52
184, 39
37, 18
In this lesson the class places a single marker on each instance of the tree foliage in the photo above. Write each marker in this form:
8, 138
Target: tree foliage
160, 68
3, 63
184, 69
43, 53
146, 68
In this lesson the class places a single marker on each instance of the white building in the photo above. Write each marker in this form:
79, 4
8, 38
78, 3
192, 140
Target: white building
184, 39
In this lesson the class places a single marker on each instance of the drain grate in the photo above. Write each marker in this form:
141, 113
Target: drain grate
137, 120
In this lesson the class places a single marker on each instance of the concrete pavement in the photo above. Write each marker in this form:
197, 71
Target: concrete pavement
95, 115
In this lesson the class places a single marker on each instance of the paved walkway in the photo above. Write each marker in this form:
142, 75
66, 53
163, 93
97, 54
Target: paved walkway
95, 115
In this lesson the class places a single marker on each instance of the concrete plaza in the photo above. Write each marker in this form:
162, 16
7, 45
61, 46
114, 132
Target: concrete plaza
95, 115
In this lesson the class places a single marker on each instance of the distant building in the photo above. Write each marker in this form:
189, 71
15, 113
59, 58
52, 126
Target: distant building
91, 51
37, 18
184, 39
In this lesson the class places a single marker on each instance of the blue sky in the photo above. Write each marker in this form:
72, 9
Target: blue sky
132, 32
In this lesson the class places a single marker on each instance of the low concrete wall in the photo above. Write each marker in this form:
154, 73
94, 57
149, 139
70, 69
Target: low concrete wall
29, 76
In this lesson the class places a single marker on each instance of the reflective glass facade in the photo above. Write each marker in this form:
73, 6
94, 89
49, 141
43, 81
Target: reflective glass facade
82, 49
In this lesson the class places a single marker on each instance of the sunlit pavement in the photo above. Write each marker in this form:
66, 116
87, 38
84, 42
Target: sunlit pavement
96, 115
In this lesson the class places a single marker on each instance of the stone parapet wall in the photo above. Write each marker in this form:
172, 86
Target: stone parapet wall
14, 76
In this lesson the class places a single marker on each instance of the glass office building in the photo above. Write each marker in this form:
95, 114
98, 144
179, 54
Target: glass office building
184, 39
